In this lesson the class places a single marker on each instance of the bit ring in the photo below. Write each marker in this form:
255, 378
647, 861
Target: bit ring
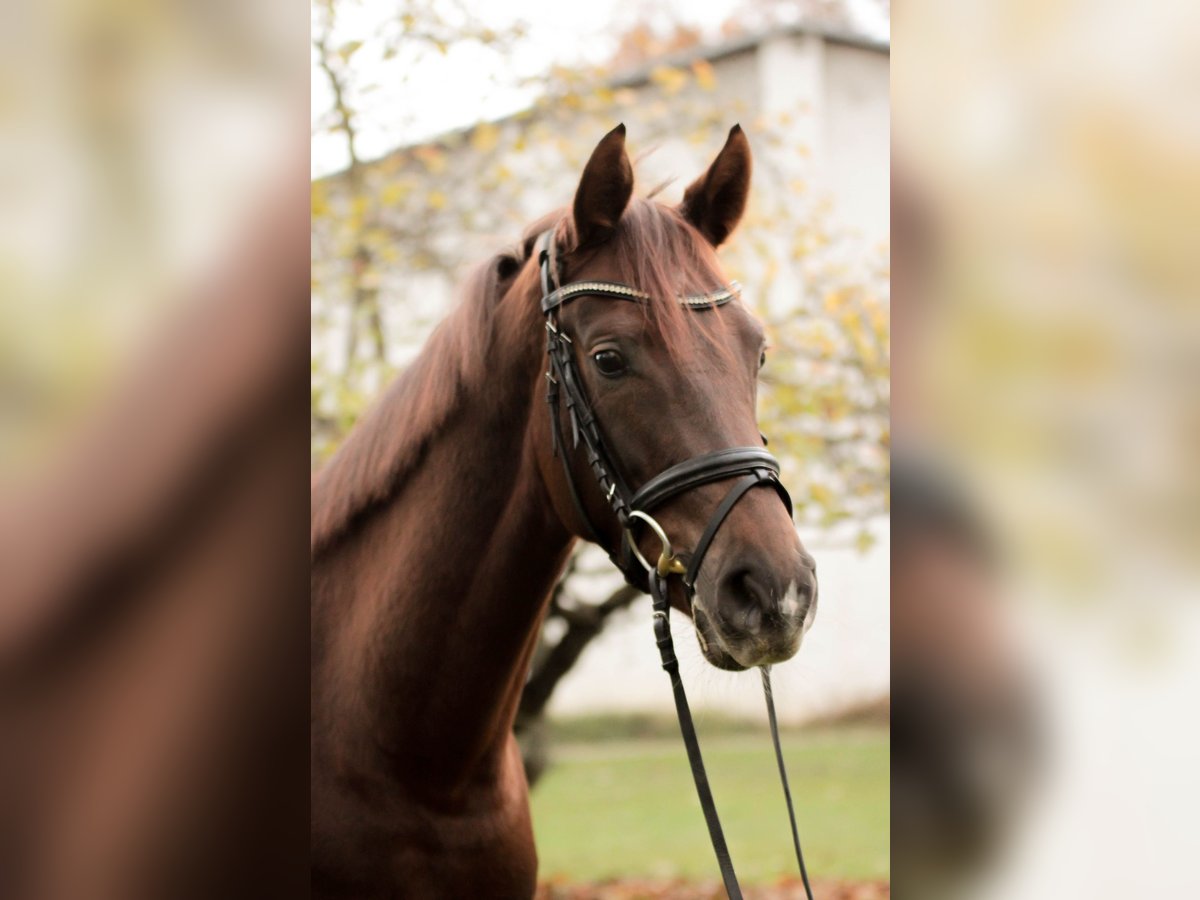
668, 563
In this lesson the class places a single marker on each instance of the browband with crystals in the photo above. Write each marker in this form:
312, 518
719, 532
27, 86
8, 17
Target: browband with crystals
624, 292
553, 299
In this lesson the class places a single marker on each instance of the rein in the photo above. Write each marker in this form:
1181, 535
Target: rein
752, 466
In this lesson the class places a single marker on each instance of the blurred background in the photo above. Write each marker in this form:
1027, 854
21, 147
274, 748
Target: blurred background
439, 130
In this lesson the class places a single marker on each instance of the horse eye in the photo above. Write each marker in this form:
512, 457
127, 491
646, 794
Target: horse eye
762, 359
609, 362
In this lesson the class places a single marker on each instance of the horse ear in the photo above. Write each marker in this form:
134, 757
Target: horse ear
604, 190
715, 201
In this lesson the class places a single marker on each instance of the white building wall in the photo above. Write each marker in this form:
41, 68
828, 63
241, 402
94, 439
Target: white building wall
857, 138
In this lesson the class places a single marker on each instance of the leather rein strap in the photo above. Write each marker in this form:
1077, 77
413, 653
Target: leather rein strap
752, 466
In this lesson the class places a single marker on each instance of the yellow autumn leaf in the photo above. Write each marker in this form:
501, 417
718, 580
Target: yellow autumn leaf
705, 77
437, 200
485, 137
395, 192
671, 80
319, 200
433, 159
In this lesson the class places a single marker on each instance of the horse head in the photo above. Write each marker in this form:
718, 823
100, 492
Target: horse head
662, 382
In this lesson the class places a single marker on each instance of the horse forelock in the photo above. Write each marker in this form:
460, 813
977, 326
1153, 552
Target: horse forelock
657, 251
660, 253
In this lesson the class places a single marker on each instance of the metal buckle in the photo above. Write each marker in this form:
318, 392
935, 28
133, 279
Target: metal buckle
668, 563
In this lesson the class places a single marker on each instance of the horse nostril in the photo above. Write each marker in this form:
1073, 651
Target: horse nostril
805, 588
801, 596
750, 601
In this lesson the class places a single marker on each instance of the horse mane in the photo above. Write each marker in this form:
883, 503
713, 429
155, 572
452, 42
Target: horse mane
655, 249
392, 436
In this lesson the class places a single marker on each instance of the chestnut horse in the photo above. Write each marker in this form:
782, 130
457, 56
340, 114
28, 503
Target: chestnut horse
441, 525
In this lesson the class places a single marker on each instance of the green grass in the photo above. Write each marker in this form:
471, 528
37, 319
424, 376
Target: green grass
629, 808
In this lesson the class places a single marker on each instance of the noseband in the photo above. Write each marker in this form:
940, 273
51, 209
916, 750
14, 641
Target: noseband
752, 466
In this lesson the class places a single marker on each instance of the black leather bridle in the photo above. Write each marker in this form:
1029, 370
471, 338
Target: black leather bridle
752, 466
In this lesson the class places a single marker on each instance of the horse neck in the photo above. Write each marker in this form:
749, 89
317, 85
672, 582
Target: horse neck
426, 616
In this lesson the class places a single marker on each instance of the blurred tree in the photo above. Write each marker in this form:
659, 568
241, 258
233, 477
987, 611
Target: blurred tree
368, 233
380, 227
571, 625
643, 43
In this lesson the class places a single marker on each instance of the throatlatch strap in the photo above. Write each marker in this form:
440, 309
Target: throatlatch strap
787, 791
666, 650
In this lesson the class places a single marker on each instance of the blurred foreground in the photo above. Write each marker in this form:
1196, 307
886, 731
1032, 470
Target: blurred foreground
153, 458
1046, 563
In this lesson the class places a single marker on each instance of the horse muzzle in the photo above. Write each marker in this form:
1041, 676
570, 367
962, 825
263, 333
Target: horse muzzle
751, 615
